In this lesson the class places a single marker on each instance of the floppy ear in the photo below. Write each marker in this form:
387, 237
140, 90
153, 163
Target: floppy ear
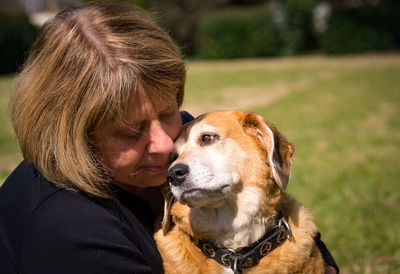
168, 201
280, 152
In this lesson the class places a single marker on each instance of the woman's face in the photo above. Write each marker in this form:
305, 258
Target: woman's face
136, 156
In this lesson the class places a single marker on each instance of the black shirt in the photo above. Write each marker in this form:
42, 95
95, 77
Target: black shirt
46, 229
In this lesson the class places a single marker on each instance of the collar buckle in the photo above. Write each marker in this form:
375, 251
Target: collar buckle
235, 265
283, 222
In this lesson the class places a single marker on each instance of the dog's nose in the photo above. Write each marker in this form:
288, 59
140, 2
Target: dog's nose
177, 173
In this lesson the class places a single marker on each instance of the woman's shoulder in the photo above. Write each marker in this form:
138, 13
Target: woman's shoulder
26, 194
22, 192
31, 205
186, 117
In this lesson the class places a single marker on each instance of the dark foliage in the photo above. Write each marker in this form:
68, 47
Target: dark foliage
362, 29
297, 30
238, 33
16, 36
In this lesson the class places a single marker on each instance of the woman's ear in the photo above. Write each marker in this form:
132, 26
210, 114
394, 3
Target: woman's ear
280, 152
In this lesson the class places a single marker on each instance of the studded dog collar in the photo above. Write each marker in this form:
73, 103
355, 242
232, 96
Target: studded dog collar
246, 257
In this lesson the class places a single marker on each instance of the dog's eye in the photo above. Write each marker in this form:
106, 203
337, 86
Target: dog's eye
207, 138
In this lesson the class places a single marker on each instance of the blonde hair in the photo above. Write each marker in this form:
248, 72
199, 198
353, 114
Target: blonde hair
83, 71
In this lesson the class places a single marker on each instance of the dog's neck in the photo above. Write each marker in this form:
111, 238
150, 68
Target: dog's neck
226, 229
231, 225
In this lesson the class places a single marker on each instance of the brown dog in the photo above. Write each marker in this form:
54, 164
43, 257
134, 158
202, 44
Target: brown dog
228, 211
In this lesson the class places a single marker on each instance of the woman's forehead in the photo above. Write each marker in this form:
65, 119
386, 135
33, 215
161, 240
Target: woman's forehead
142, 107
145, 108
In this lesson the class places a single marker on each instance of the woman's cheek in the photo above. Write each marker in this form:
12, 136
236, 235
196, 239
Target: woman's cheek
125, 156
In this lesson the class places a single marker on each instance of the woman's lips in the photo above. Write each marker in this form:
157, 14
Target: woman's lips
156, 168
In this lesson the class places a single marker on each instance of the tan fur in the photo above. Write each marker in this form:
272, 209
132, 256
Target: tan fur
261, 157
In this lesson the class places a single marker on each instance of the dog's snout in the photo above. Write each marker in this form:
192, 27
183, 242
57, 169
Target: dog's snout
177, 173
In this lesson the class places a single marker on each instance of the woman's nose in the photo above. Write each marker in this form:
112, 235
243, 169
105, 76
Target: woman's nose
159, 140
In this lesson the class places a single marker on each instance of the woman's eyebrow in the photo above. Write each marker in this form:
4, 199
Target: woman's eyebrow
167, 109
136, 126
129, 126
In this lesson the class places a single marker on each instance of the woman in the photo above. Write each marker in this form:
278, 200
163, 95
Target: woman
95, 111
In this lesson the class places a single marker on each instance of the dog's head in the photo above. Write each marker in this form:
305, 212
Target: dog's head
222, 153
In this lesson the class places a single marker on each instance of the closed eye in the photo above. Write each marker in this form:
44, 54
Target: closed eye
165, 116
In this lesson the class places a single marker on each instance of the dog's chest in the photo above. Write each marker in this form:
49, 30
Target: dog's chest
226, 270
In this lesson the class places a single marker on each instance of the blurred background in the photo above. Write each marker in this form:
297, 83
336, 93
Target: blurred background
326, 73
233, 28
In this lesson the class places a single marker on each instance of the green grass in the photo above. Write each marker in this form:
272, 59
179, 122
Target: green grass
9, 151
342, 114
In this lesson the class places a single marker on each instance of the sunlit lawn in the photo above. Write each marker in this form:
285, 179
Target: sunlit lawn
9, 151
342, 114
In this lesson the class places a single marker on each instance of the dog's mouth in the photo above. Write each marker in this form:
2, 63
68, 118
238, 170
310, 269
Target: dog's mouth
194, 196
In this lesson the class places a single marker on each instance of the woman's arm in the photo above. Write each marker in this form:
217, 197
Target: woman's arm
330, 264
